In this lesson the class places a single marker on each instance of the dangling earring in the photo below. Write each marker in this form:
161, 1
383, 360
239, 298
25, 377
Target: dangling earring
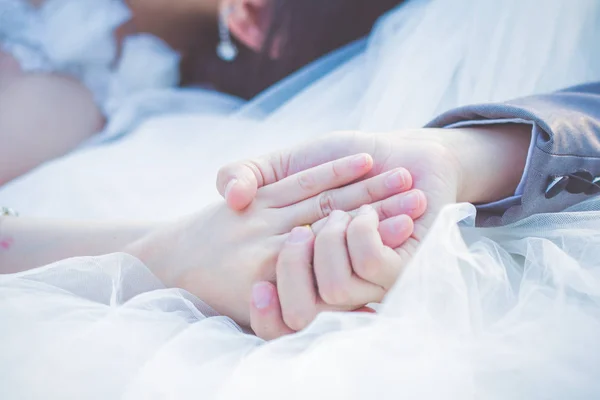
226, 50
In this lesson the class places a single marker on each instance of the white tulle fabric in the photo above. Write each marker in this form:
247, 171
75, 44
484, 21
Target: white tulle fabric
502, 313
508, 313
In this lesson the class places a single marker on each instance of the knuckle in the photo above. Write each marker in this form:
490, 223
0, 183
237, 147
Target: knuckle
359, 228
225, 173
281, 164
226, 169
296, 320
337, 170
370, 194
388, 206
248, 169
306, 181
335, 295
331, 235
261, 174
326, 204
369, 266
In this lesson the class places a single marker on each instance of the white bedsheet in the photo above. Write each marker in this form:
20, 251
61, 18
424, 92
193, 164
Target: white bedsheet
166, 168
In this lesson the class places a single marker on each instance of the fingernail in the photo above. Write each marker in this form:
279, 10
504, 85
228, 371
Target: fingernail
230, 186
300, 234
262, 295
365, 210
397, 180
360, 161
411, 201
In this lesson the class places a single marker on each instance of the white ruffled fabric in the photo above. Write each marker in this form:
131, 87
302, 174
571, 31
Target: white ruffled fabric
504, 313
76, 37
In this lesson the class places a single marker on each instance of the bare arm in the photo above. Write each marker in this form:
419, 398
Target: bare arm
28, 243
42, 117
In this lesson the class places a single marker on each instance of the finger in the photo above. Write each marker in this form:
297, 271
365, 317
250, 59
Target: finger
295, 281
313, 181
371, 259
353, 196
372, 190
238, 184
422, 226
396, 231
266, 319
337, 284
412, 203
271, 168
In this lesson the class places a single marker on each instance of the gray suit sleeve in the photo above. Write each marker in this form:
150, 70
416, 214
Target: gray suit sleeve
565, 153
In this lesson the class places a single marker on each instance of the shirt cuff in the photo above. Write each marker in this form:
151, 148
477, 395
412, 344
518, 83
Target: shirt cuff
516, 198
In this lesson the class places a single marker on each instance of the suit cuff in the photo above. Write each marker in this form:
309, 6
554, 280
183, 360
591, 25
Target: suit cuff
566, 130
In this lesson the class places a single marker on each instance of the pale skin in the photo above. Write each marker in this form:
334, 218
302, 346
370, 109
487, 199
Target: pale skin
218, 254
476, 165
351, 258
26, 243
46, 115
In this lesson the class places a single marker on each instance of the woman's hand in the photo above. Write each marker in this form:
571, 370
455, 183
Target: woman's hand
219, 254
341, 258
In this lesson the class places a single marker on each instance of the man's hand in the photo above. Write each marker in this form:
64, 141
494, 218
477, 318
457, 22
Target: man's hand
433, 166
473, 164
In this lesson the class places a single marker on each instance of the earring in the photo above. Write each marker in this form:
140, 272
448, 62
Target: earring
226, 50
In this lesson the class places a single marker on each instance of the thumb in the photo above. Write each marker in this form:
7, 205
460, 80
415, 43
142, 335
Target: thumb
238, 183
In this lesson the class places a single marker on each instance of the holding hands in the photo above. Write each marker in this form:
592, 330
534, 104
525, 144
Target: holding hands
349, 261
256, 260
219, 254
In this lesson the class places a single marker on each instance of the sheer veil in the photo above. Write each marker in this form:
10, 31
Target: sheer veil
499, 313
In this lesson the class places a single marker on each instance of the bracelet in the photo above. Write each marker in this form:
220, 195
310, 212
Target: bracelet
8, 212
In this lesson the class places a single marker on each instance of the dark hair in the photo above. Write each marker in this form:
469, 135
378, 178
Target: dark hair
309, 29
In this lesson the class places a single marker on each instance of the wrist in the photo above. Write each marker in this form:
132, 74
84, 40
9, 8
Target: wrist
491, 160
153, 250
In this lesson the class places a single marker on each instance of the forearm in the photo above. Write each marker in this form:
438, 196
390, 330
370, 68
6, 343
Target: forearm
491, 160
29, 243
155, 248
565, 126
